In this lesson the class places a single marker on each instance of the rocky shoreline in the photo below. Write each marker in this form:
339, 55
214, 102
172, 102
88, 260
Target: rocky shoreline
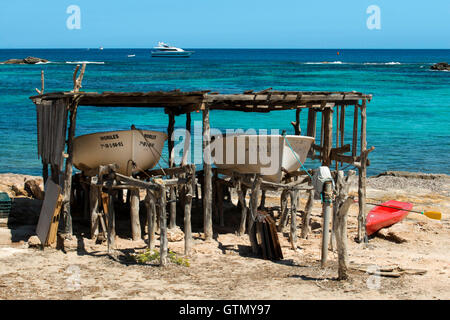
27, 60
441, 66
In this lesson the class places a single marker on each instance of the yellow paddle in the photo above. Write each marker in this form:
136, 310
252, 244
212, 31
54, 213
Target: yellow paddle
430, 214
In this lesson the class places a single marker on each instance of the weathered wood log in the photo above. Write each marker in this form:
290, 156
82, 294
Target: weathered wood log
362, 179
296, 123
187, 213
341, 238
326, 212
163, 228
111, 221
94, 209
77, 81
207, 199
283, 210
67, 217
311, 127
242, 191
150, 203
253, 212
293, 231
134, 215
328, 137
187, 141
306, 219
173, 195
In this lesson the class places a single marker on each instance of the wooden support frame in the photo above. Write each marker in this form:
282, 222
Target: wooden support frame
177, 103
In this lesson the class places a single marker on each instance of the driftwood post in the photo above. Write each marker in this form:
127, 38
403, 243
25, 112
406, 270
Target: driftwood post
134, 214
306, 219
163, 227
342, 204
327, 136
187, 210
94, 207
111, 221
150, 202
284, 210
362, 178
67, 217
242, 191
253, 212
341, 238
296, 123
293, 231
173, 195
207, 199
326, 212
187, 141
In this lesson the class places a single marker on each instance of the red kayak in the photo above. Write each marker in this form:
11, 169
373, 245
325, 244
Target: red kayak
382, 217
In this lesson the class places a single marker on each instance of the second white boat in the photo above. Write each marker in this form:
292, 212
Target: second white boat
268, 155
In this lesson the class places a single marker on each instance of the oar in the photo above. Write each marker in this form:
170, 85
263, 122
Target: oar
430, 214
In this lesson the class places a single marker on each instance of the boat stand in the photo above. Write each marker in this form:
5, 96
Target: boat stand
105, 184
255, 183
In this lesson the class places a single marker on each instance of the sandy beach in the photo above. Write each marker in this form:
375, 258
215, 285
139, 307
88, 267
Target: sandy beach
224, 268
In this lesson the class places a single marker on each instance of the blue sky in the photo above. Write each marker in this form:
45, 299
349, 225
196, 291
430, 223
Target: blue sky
225, 24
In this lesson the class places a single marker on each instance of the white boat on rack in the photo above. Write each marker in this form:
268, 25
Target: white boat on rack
163, 50
268, 155
132, 150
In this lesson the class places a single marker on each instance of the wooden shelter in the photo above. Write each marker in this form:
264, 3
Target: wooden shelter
55, 137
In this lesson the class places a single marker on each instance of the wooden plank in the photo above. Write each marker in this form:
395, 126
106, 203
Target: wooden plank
274, 237
51, 238
50, 209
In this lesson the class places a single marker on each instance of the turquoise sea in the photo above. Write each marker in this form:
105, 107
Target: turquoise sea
408, 118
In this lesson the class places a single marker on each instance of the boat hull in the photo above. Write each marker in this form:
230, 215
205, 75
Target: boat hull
382, 217
143, 147
268, 155
172, 54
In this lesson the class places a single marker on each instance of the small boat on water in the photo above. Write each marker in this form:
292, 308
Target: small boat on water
124, 148
268, 155
382, 217
163, 50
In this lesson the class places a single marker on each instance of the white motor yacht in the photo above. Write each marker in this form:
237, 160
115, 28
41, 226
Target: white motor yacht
164, 50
